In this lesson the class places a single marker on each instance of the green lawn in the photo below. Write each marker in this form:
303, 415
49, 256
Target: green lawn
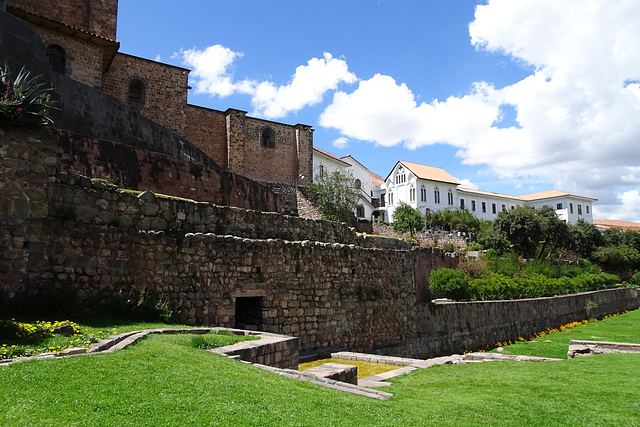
164, 380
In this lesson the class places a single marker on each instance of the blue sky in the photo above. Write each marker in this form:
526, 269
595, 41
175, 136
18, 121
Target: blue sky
509, 96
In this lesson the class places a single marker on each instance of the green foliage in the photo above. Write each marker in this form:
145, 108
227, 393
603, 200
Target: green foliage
335, 195
474, 246
585, 238
24, 101
474, 267
496, 286
617, 258
452, 219
521, 229
219, 339
450, 283
146, 303
407, 219
449, 247
635, 279
490, 239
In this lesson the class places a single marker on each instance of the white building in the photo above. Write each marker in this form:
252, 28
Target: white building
427, 187
367, 183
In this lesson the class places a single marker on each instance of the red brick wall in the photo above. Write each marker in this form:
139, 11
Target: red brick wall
97, 17
83, 60
165, 94
207, 130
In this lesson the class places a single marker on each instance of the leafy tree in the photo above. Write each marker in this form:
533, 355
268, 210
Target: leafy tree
585, 238
452, 219
554, 231
521, 229
407, 219
335, 195
613, 237
617, 258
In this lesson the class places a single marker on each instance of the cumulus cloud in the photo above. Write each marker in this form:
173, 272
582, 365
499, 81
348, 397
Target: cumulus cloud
211, 75
341, 142
576, 113
210, 72
308, 85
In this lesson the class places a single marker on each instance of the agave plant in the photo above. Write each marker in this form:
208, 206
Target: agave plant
24, 101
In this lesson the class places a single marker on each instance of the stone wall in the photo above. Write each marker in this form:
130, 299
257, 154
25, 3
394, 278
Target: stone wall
95, 17
83, 58
165, 89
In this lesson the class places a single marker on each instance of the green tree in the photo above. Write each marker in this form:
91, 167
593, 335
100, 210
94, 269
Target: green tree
452, 219
335, 195
554, 232
521, 229
407, 219
585, 238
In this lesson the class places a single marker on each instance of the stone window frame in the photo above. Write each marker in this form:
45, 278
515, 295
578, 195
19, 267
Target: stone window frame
267, 137
68, 57
145, 86
138, 100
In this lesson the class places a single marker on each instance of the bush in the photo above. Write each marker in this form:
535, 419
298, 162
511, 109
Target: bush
450, 283
474, 246
449, 247
474, 267
24, 101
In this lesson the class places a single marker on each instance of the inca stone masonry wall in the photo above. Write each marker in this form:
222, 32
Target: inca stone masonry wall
232, 267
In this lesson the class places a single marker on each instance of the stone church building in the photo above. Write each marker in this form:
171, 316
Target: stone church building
79, 39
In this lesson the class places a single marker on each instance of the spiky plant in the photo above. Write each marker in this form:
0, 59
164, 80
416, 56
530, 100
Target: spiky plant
24, 101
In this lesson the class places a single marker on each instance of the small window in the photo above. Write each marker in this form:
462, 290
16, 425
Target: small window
390, 199
450, 198
461, 203
570, 208
360, 211
513, 207
493, 208
473, 206
504, 208
423, 194
436, 195
484, 207
382, 200
136, 92
579, 209
401, 177
587, 208
57, 59
322, 171
412, 194
267, 138
559, 206
358, 184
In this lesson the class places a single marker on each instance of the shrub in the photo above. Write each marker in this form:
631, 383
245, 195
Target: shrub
24, 101
450, 283
474, 267
474, 246
449, 247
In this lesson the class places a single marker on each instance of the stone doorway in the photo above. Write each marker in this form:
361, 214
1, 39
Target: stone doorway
249, 313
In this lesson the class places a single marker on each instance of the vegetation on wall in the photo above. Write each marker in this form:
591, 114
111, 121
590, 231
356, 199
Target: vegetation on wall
24, 101
335, 195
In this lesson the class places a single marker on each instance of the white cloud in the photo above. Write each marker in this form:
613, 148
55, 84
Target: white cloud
308, 85
210, 69
624, 208
468, 184
577, 112
211, 75
341, 142
385, 112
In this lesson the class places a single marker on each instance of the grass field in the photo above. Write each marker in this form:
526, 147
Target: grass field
164, 380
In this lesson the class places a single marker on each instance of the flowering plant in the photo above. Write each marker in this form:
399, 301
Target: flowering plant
24, 101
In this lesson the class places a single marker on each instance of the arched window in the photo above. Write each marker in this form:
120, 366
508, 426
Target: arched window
57, 58
360, 211
390, 199
322, 171
412, 194
267, 138
450, 198
423, 194
401, 177
436, 195
135, 93
358, 184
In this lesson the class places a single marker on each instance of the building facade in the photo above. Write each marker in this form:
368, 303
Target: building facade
79, 39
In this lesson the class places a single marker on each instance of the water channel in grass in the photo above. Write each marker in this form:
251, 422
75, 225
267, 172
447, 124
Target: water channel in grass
365, 369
